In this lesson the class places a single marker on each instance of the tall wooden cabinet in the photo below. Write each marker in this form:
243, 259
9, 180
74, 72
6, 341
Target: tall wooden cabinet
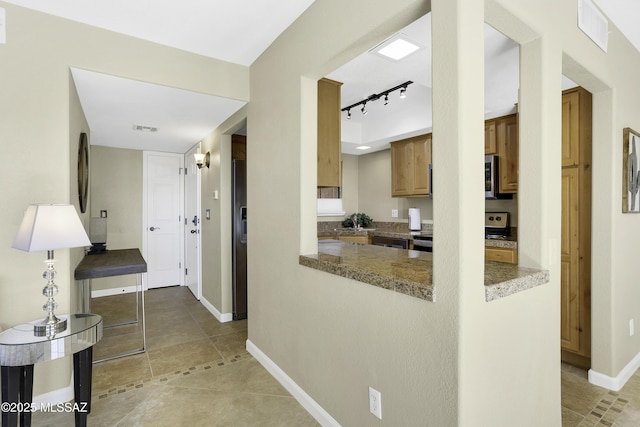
329, 136
575, 296
410, 160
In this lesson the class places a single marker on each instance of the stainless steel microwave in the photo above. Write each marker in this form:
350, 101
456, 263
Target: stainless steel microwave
492, 179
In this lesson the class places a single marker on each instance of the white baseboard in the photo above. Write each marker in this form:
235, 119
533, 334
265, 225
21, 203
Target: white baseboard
54, 397
226, 317
113, 291
617, 382
316, 411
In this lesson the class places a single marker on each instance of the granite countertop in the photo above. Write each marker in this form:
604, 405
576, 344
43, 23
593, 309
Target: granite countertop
410, 272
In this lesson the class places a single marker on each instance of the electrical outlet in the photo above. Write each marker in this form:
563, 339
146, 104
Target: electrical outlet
631, 328
375, 402
394, 213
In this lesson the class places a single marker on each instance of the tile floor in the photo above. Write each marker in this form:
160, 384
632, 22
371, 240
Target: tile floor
585, 404
196, 371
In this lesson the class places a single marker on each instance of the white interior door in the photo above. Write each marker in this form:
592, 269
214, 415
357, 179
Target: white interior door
163, 229
192, 254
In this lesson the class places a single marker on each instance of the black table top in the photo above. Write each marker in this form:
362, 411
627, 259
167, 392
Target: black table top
115, 262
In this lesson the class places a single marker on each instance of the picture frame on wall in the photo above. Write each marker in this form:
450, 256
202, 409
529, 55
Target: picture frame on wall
630, 171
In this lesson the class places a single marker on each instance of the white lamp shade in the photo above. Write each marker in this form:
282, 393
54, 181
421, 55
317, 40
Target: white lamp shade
50, 227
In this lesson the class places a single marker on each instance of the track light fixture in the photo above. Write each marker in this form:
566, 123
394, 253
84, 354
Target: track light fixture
384, 94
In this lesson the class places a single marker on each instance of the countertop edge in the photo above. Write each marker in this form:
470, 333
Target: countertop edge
530, 278
413, 289
501, 279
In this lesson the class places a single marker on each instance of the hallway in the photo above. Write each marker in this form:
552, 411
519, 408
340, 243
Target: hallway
196, 371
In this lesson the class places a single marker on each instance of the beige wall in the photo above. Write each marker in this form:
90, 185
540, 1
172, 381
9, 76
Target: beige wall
327, 333
116, 186
41, 132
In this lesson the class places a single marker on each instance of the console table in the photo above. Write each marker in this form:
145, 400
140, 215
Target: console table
20, 349
115, 262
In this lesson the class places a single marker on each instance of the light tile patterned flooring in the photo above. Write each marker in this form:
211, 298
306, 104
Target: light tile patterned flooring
196, 371
584, 404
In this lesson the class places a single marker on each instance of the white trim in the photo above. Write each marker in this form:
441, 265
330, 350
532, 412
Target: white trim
113, 291
316, 411
54, 397
617, 382
226, 317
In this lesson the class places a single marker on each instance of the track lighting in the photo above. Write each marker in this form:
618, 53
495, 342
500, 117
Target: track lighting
384, 94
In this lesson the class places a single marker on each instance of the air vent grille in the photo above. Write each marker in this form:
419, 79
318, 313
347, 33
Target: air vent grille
143, 128
593, 23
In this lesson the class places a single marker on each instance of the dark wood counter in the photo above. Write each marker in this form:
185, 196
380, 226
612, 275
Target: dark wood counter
116, 262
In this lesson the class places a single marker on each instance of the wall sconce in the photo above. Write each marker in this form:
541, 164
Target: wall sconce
202, 159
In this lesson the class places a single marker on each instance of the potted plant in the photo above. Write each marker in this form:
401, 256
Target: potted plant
361, 220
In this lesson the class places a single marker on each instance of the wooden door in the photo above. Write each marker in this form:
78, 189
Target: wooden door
570, 129
570, 290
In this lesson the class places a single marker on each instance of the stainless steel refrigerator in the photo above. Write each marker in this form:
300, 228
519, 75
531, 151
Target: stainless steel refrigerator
239, 238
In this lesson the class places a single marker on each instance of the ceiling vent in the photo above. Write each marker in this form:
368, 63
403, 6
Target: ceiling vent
593, 23
143, 128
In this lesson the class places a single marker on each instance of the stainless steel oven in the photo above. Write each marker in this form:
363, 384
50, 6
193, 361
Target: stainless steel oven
423, 243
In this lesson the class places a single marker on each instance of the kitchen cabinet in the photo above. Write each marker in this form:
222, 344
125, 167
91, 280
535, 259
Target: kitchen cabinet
329, 134
507, 148
490, 144
508, 255
355, 239
575, 261
410, 159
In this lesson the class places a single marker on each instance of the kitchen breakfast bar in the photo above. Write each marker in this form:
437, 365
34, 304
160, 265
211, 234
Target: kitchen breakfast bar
410, 272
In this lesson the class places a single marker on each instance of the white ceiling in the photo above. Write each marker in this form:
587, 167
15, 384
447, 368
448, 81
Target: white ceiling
239, 31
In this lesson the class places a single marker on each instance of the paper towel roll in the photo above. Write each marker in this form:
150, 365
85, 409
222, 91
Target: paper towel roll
414, 219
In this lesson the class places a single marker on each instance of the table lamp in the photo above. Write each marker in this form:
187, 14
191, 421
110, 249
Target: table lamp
46, 228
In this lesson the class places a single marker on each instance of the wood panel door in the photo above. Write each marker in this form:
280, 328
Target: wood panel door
570, 290
570, 129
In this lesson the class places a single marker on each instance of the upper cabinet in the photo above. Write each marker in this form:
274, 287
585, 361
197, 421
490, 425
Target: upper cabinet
329, 136
490, 145
410, 159
576, 117
507, 148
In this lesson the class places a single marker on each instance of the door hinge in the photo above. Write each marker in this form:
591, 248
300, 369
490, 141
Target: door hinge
185, 221
186, 271
179, 265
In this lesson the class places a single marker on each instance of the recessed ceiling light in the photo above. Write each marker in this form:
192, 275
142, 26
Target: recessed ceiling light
396, 47
362, 147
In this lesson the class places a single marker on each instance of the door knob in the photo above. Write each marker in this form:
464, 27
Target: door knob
154, 228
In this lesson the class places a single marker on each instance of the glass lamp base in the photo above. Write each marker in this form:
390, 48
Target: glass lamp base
48, 328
